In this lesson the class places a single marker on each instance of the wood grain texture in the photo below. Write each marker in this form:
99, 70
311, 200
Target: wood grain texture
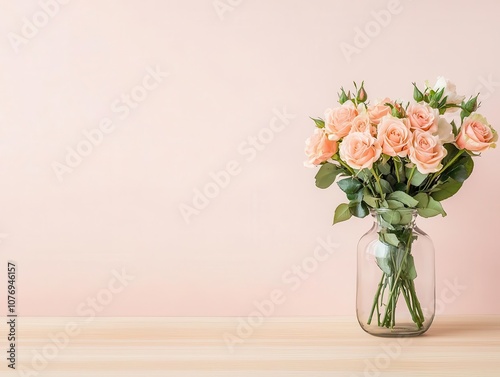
298, 347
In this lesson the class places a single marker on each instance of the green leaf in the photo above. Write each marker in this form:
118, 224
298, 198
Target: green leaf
427, 212
406, 217
356, 197
458, 173
384, 168
394, 204
399, 167
446, 190
370, 200
452, 152
403, 197
342, 213
350, 185
358, 209
326, 175
460, 170
392, 217
386, 187
454, 127
435, 205
385, 264
400, 187
320, 123
469, 164
418, 178
364, 174
391, 239
410, 270
423, 199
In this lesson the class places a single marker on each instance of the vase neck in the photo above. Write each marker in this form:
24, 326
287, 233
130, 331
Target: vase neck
394, 218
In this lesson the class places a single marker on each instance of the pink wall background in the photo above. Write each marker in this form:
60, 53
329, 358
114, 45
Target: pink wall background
229, 73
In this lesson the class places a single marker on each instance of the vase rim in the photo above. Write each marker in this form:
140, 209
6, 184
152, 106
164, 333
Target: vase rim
375, 211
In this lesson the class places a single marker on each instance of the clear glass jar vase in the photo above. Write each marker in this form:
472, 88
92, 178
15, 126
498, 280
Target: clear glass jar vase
395, 293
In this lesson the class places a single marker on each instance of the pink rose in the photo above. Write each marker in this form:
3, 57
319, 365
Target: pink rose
423, 117
427, 152
338, 121
394, 135
319, 148
380, 110
362, 124
476, 135
360, 150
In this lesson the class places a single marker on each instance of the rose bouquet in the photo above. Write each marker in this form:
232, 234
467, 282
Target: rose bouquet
393, 156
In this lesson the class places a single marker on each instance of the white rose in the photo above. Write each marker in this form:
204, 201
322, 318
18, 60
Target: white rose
450, 91
445, 131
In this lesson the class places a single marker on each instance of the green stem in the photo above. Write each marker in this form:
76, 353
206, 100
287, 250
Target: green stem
396, 170
346, 166
435, 175
392, 291
377, 178
410, 178
375, 301
416, 303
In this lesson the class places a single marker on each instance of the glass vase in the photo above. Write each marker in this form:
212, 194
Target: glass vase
395, 293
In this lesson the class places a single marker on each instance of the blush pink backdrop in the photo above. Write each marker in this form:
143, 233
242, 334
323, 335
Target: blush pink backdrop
232, 67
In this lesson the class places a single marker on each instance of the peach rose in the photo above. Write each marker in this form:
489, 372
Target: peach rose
378, 111
338, 121
360, 150
362, 124
319, 148
394, 136
423, 117
476, 135
427, 152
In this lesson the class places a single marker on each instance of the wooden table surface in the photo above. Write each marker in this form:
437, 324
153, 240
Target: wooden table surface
295, 347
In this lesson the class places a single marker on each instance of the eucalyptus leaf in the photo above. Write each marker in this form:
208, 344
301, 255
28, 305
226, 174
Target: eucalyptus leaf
428, 212
384, 168
423, 199
452, 152
446, 190
370, 200
358, 209
418, 178
406, 217
350, 185
342, 213
403, 197
458, 172
364, 174
435, 205
391, 239
394, 204
385, 265
356, 197
410, 270
386, 187
399, 167
392, 217
327, 174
